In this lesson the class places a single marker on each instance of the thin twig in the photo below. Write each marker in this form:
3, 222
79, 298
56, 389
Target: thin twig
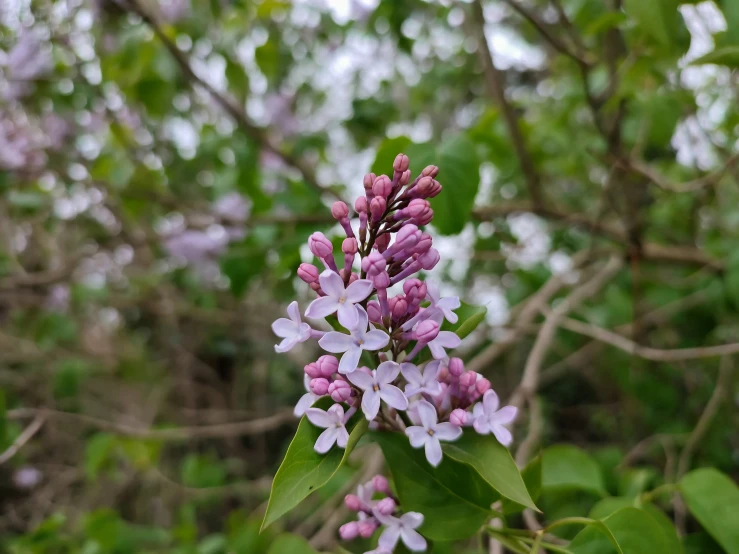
653, 354
495, 82
235, 111
235, 429
23, 438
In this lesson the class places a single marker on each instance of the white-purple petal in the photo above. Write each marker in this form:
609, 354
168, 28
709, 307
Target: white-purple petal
447, 432
502, 434
293, 311
361, 379
319, 418
305, 402
322, 307
387, 372
326, 440
347, 314
417, 436
433, 451
350, 360
336, 342
358, 290
490, 402
412, 539
370, 404
427, 414
284, 328
505, 415
393, 397
375, 340
331, 283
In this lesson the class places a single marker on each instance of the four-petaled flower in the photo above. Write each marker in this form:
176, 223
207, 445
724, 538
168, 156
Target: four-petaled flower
331, 420
307, 400
291, 331
421, 382
445, 339
339, 299
429, 433
378, 386
489, 419
352, 345
443, 307
403, 528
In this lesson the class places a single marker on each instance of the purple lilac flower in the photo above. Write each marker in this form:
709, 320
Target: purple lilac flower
402, 528
489, 419
334, 421
418, 382
292, 331
378, 386
339, 299
430, 432
353, 344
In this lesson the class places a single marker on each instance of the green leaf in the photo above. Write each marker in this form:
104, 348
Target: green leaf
469, 318
304, 470
726, 55
568, 467
659, 19
713, 498
532, 479
612, 504
493, 463
292, 544
730, 9
453, 498
627, 531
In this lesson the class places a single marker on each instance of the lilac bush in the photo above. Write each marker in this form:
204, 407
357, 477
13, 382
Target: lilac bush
394, 365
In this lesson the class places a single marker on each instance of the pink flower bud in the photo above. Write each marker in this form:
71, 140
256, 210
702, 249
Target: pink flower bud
430, 171
382, 187
340, 391
381, 484
467, 379
427, 330
319, 386
423, 187
361, 205
386, 506
429, 259
458, 417
367, 528
373, 264
435, 189
399, 307
411, 286
377, 208
349, 531
312, 371
353, 277
417, 206
425, 218
456, 367
443, 374
319, 245
407, 236
405, 178
349, 246
381, 280
352, 502
382, 242
401, 163
308, 273
368, 181
482, 385
339, 210
327, 365
374, 312
423, 244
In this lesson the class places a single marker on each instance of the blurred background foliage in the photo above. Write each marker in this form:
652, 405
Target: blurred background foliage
162, 163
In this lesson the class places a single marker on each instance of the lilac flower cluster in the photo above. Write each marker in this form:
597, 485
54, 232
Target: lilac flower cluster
382, 368
382, 513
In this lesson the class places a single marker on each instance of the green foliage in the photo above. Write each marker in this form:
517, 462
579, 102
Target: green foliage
627, 531
566, 467
290, 543
713, 498
304, 471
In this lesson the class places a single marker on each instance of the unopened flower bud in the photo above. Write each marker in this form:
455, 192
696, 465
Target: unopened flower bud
382, 187
308, 273
417, 206
435, 189
319, 245
425, 218
349, 246
340, 391
381, 484
456, 367
482, 385
339, 210
458, 417
443, 374
349, 531
423, 244
401, 163
377, 208
361, 205
319, 386
353, 277
352, 502
381, 280
386, 506
427, 330
430, 171
382, 242
368, 181
467, 379
312, 370
367, 528
374, 313
423, 187
373, 264
429, 259
399, 307
405, 178
327, 365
